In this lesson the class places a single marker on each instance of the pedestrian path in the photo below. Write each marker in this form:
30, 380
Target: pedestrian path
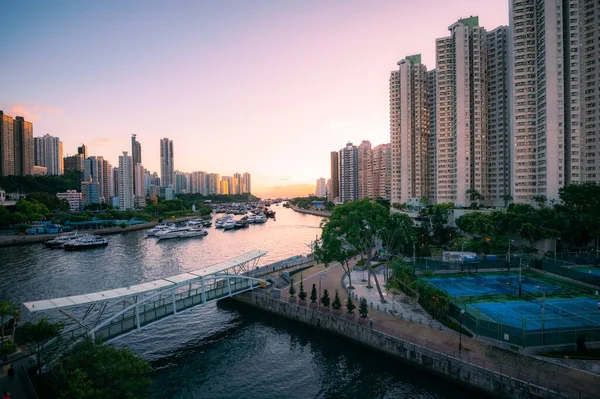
18, 386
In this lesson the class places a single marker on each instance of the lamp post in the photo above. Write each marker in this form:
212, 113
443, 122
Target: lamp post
462, 312
555, 240
520, 270
322, 277
509, 242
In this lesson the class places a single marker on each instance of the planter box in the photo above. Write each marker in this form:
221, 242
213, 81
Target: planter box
314, 305
337, 312
292, 299
301, 302
350, 316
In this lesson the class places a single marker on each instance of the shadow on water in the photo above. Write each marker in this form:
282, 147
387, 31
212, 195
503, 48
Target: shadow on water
260, 355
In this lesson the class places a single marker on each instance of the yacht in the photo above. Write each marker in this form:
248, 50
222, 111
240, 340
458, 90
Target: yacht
230, 224
260, 219
86, 242
251, 218
172, 233
197, 232
58, 242
159, 229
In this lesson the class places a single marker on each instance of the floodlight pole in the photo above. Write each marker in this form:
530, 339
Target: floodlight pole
555, 239
520, 271
462, 312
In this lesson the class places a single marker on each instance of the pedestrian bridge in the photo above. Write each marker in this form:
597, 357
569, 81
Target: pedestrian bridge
111, 314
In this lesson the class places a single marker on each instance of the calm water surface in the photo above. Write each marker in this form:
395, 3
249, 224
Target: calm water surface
225, 350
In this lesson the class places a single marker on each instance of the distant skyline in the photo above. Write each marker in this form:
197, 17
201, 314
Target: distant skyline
266, 87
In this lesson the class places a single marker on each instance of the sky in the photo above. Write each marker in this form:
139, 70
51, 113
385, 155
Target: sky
265, 87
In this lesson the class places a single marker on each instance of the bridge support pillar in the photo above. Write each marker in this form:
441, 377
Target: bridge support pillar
174, 303
229, 286
203, 293
137, 317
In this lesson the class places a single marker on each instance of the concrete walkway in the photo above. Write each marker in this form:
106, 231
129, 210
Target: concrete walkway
19, 386
541, 372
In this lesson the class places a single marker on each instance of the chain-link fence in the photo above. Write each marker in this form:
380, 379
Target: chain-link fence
589, 274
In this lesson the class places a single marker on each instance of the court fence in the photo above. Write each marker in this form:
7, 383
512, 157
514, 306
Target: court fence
560, 331
567, 269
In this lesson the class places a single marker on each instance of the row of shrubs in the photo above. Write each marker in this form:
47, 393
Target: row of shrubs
325, 300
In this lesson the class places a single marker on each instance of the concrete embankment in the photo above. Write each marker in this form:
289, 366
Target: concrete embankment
324, 214
475, 377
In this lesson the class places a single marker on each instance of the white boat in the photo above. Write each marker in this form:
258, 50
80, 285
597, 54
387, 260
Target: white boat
252, 219
193, 233
159, 229
58, 242
87, 242
260, 219
173, 233
220, 222
230, 224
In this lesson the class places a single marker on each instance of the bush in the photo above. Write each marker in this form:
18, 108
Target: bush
363, 308
350, 306
325, 300
292, 289
302, 294
313, 294
337, 303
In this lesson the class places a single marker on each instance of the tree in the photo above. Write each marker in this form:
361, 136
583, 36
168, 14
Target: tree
292, 289
313, 294
398, 232
325, 300
350, 306
363, 308
101, 371
37, 334
337, 303
474, 195
8, 310
353, 225
301, 293
507, 198
330, 248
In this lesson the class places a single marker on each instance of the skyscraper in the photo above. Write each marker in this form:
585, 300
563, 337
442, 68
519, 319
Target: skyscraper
48, 152
214, 183
365, 170
7, 145
23, 142
382, 171
335, 176
394, 94
126, 196
167, 169
136, 155
554, 97
321, 189
237, 183
348, 171
246, 183
82, 151
461, 112
413, 129
432, 142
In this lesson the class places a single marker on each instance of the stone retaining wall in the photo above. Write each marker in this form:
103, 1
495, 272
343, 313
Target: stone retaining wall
475, 377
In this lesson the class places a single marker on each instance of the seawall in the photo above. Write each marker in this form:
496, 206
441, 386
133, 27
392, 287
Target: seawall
324, 214
489, 382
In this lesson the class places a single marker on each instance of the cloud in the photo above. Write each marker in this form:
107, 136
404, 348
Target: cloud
30, 112
336, 123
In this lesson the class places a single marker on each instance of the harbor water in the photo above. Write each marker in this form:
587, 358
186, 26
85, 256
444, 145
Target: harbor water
222, 350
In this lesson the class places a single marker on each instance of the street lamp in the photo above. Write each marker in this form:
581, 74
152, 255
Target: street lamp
509, 242
555, 240
462, 313
322, 277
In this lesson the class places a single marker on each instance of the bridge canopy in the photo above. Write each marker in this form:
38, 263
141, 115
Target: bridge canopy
117, 293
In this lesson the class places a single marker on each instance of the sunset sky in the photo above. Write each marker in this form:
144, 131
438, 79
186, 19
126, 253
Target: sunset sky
265, 87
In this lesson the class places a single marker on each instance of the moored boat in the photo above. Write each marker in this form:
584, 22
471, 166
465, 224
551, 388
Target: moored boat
88, 242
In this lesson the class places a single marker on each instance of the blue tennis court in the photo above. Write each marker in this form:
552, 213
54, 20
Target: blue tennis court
559, 313
491, 284
589, 270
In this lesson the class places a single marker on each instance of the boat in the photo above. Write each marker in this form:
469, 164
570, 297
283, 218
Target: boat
159, 229
230, 224
58, 242
87, 242
260, 219
206, 223
193, 233
251, 218
242, 223
173, 233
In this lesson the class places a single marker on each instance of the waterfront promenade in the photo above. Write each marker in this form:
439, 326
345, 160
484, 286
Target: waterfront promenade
426, 333
324, 214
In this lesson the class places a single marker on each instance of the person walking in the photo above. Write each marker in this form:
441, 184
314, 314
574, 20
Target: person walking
11, 372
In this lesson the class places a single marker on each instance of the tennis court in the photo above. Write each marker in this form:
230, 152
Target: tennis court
491, 284
537, 315
589, 270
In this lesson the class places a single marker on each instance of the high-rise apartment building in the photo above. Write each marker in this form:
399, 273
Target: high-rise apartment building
74, 163
224, 186
554, 98
382, 171
136, 155
348, 171
461, 112
126, 196
432, 142
198, 183
335, 176
413, 129
497, 138
246, 183
7, 145
213, 183
167, 169
82, 151
394, 94
321, 190
48, 152
237, 183
183, 182
139, 187
365, 170
23, 142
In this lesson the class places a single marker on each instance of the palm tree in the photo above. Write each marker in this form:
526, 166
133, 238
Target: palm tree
38, 334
